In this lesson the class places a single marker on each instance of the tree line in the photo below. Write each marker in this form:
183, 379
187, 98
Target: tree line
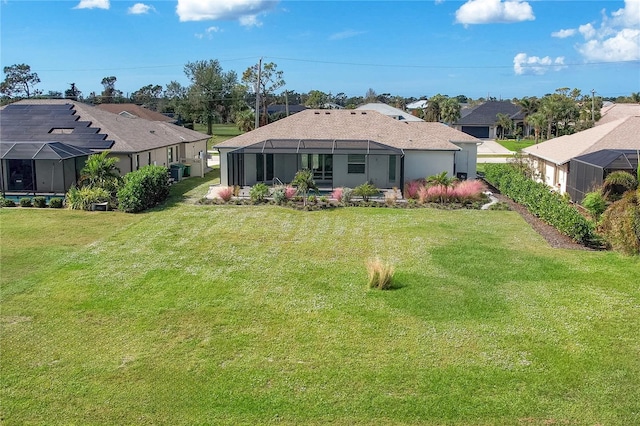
217, 96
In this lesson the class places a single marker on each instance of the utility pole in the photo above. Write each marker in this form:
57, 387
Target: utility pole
593, 105
257, 123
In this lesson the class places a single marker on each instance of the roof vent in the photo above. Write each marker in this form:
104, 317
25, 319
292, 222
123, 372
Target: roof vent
364, 113
327, 113
316, 112
353, 113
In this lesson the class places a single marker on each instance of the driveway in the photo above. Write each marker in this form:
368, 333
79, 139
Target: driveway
491, 147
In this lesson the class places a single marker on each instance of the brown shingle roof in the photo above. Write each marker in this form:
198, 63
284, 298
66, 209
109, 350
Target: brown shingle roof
352, 125
135, 110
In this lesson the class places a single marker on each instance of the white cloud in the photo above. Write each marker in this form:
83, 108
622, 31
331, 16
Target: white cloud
93, 4
139, 9
616, 39
246, 12
494, 11
345, 34
524, 64
208, 33
564, 33
624, 46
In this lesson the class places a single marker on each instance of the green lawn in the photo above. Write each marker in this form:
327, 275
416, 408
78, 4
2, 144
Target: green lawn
515, 145
255, 315
221, 132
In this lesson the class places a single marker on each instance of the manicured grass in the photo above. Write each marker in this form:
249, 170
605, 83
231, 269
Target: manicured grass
221, 132
260, 314
515, 145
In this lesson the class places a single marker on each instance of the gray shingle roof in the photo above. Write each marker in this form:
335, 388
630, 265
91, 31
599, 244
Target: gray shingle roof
485, 114
356, 125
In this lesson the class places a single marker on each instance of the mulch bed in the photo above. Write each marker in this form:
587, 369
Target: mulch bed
548, 232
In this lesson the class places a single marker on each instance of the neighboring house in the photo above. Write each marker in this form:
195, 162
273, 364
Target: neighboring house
390, 111
135, 111
481, 121
285, 109
611, 112
342, 148
589, 171
54, 124
552, 158
421, 104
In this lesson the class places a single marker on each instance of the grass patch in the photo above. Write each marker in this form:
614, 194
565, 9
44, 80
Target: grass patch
253, 315
515, 145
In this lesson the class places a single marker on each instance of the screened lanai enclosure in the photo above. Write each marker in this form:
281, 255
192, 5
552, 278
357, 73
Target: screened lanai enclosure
332, 162
588, 172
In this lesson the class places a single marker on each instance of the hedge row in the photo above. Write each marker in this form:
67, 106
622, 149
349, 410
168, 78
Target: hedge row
143, 189
541, 202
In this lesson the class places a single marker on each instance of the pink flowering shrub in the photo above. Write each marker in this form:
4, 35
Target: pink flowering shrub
468, 190
225, 193
412, 188
337, 194
435, 193
290, 192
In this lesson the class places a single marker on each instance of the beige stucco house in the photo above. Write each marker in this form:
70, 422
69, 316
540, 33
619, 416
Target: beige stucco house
345, 148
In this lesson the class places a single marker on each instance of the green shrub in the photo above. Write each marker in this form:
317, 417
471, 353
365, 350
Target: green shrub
595, 203
620, 224
40, 202
617, 183
366, 191
56, 203
5, 202
143, 189
25, 202
280, 195
380, 274
548, 205
83, 198
258, 192
312, 199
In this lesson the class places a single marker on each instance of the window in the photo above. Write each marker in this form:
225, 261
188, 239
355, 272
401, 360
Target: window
264, 167
149, 158
392, 168
320, 164
356, 164
137, 161
170, 155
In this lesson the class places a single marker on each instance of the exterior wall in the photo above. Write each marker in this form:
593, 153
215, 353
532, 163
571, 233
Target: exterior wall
249, 169
553, 175
158, 156
224, 167
421, 164
466, 160
191, 150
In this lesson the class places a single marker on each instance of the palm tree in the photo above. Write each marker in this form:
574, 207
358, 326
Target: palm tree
538, 120
505, 123
303, 180
450, 110
529, 106
245, 120
100, 171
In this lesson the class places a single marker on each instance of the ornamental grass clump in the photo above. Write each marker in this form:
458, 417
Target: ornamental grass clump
380, 274
412, 189
225, 194
468, 190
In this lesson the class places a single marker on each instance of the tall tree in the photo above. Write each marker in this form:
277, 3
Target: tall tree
264, 80
19, 81
505, 124
110, 95
212, 90
537, 120
450, 110
370, 96
433, 110
529, 105
72, 92
316, 99
148, 95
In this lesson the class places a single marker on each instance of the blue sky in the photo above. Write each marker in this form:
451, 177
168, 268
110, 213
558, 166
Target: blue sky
478, 48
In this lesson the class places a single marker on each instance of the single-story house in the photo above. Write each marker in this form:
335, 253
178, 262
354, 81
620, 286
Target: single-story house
389, 111
343, 148
589, 171
481, 121
30, 128
135, 111
552, 158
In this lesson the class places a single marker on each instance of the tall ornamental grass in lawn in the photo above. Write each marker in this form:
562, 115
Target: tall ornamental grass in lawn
380, 274
225, 193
